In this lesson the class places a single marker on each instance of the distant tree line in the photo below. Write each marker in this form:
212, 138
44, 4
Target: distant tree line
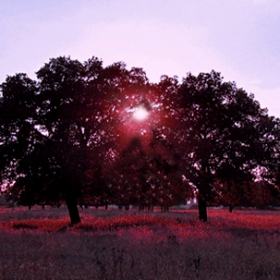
69, 137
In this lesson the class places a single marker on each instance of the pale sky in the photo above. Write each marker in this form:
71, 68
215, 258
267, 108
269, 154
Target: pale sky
239, 38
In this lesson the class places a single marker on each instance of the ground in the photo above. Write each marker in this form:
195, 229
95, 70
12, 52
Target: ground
38, 244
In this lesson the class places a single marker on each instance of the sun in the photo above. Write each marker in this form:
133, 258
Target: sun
140, 114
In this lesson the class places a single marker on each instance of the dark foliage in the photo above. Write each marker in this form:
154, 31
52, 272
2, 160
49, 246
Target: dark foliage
70, 137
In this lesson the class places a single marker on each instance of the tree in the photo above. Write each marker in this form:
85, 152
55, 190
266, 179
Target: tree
142, 176
18, 110
51, 131
55, 130
225, 134
145, 171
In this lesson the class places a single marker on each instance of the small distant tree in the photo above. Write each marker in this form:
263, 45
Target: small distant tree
96, 192
143, 177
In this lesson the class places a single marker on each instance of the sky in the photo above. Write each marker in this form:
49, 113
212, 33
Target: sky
238, 38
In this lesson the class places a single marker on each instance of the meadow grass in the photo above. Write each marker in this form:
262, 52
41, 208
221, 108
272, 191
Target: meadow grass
38, 244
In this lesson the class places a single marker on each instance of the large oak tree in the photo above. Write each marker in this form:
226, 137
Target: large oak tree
226, 136
54, 129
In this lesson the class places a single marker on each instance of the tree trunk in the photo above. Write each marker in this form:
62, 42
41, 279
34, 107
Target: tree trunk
202, 209
71, 203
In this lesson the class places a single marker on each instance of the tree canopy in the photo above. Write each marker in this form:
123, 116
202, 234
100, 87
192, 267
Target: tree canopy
70, 136
226, 136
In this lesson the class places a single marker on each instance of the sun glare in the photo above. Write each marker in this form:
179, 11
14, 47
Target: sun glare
140, 113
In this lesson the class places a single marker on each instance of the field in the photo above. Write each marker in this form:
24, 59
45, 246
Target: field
113, 245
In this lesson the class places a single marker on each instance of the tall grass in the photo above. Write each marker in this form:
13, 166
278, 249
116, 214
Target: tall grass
109, 245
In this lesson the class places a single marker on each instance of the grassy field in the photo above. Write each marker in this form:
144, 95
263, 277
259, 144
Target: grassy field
37, 244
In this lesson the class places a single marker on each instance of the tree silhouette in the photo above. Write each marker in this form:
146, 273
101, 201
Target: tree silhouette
142, 177
70, 136
53, 128
226, 135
